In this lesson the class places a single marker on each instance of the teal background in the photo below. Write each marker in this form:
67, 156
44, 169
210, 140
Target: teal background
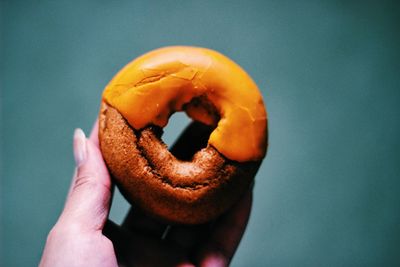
327, 193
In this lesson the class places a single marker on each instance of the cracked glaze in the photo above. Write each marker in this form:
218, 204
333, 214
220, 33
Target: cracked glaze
152, 87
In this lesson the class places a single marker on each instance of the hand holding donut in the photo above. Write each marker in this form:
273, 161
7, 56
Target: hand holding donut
190, 204
82, 235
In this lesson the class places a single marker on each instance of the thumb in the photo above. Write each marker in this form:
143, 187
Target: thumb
88, 202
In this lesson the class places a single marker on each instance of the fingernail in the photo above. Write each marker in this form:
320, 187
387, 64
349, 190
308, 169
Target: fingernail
80, 153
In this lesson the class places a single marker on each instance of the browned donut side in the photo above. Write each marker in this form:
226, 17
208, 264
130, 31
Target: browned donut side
154, 180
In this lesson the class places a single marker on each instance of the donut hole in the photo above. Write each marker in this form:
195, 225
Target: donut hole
184, 137
176, 124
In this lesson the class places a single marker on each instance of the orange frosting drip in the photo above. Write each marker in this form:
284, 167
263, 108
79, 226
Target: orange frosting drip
152, 87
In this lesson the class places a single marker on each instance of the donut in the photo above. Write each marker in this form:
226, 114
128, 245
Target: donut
217, 157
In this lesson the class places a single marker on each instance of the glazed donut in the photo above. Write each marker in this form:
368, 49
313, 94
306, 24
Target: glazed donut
216, 158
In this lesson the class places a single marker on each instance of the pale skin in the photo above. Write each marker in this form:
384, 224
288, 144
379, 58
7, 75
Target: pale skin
84, 236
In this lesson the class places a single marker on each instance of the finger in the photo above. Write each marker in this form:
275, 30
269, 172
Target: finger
95, 139
89, 200
224, 239
94, 135
192, 139
138, 221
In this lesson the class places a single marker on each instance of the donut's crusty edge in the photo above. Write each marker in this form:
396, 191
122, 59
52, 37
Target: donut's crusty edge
168, 189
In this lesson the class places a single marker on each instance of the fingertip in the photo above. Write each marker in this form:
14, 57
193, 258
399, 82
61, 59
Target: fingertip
90, 166
214, 260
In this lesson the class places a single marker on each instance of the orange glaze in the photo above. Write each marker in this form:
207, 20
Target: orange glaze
152, 87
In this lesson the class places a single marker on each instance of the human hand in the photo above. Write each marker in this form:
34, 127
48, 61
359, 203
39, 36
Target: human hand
77, 238
82, 235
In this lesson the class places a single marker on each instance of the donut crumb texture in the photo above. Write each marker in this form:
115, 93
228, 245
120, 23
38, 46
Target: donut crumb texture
189, 191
